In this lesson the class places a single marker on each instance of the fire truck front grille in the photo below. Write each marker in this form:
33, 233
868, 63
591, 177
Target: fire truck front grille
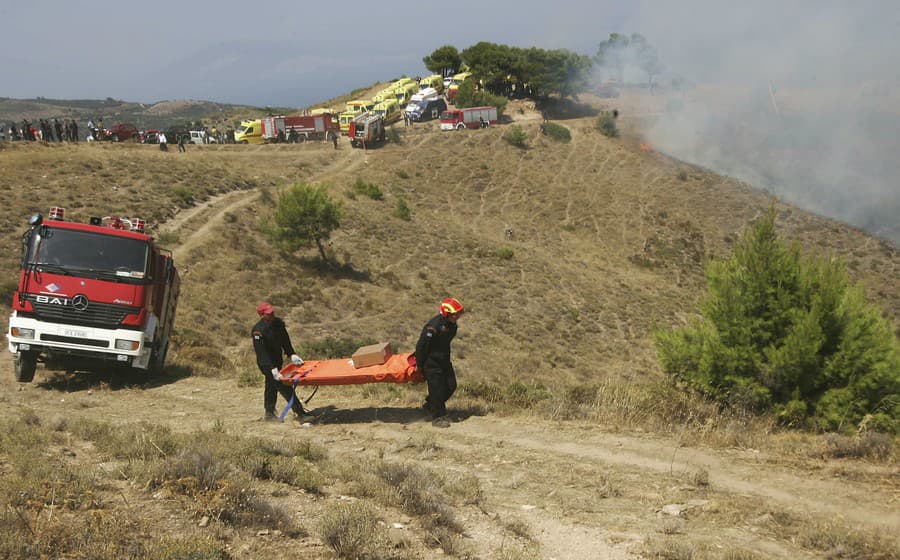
103, 315
75, 340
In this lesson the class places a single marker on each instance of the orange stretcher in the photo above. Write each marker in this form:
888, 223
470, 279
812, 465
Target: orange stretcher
399, 368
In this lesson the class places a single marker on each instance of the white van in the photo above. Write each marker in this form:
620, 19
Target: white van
198, 137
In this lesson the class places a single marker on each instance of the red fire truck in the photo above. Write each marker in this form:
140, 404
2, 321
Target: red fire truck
470, 117
303, 128
102, 290
366, 130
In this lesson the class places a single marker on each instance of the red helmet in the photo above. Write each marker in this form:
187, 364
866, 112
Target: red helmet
265, 308
451, 306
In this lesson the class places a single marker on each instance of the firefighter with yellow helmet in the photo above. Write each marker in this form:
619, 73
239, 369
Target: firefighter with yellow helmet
433, 359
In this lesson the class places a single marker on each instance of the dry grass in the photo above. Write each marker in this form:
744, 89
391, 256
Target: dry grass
350, 529
834, 538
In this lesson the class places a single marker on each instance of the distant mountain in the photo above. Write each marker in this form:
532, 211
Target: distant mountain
143, 115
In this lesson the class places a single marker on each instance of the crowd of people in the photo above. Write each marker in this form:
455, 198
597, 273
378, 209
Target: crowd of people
66, 130
47, 130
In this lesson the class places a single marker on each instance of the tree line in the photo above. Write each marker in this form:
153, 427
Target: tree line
535, 72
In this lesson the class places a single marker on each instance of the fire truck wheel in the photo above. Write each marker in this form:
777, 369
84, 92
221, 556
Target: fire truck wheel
158, 361
26, 363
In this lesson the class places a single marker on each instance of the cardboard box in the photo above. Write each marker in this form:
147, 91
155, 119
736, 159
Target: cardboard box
372, 355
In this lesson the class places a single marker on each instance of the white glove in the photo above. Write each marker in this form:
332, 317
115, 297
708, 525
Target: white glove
296, 359
276, 375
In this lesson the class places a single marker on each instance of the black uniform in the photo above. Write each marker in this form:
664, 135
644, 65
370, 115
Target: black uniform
269, 341
433, 356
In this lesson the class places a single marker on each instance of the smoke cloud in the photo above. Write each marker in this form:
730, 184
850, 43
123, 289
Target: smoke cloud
798, 98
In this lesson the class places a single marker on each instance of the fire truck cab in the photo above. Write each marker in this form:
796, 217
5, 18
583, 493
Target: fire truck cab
102, 290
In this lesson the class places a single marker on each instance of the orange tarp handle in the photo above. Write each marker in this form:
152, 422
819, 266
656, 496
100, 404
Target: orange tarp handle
399, 368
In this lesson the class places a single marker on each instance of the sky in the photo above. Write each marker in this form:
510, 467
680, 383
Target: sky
270, 52
815, 122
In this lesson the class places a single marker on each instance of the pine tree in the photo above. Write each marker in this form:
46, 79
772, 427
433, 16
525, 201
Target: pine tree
303, 214
790, 335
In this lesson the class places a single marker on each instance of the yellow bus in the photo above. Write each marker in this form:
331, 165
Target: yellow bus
389, 109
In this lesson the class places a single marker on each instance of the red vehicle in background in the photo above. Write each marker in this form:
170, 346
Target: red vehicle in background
470, 117
366, 130
102, 290
299, 128
121, 132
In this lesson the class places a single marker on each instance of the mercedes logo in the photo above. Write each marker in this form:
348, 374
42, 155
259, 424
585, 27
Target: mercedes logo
80, 302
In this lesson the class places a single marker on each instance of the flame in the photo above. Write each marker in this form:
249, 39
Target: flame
645, 147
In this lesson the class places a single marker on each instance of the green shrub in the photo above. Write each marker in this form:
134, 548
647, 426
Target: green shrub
556, 131
402, 174
525, 395
182, 195
516, 136
402, 209
466, 96
788, 334
168, 238
606, 124
370, 190
505, 253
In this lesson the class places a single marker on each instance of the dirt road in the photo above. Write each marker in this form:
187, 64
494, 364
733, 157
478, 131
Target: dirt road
583, 492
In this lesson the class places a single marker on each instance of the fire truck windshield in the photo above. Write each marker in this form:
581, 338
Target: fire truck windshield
82, 253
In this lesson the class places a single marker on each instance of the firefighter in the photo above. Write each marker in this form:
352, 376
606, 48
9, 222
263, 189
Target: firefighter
270, 339
433, 360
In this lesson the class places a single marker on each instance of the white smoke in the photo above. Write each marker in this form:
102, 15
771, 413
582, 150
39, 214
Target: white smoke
800, 98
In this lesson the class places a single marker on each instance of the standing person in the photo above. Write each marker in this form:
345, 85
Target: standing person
334, 139
163, 146
181, 147
74, 129
270, 339
57, 127
433, 359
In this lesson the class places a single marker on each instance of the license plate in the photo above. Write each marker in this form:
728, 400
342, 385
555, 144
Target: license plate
75, 333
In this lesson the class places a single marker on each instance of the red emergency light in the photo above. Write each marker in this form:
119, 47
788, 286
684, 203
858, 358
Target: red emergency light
57, 213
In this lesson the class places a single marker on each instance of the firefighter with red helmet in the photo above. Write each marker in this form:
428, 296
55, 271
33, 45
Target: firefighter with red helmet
433, 359
271, 342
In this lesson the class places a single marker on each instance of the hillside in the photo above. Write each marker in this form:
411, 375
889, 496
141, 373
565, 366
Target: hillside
566, 256
157, 115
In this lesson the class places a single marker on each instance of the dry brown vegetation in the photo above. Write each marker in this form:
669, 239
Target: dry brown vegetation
566, 445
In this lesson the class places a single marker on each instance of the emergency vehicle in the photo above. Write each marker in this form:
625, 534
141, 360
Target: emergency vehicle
365, 130
102, 290
455, 82
307, 127
352, 110
249, 132
470, 117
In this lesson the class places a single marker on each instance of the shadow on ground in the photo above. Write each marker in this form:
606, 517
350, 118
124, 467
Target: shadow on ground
385, 414
74, 379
